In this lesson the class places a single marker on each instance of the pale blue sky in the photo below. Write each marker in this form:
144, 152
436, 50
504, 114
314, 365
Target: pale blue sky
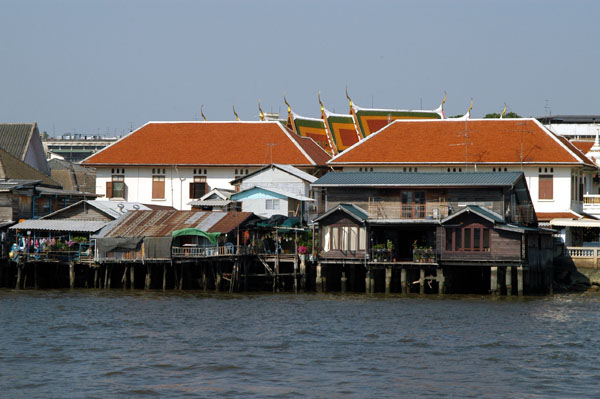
103, 66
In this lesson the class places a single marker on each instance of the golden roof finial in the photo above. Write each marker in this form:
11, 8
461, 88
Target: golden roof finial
321, 103
471, 107
348, 97
288, 104
503, 112
237, 118
202, 112
445, 97
262, 114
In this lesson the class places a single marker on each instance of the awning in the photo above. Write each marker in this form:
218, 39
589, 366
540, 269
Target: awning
575, 222
212, 237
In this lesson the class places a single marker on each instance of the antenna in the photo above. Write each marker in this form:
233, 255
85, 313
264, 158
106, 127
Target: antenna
547, 107
271, 145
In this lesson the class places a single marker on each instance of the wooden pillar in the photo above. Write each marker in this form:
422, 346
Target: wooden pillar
441, 281
132, 276
508, 280
403, 283
110, 277
246, 274
35, 276
319, 279
106, 280
19, 276
372, 283
343, 280
494, 280
520, 280
164, 277
296, 273
422, 281
219, 278
148, 277
388, 279
180, 285
303, 273
96, 277
368, 281
124, 278
72, 275
204, 280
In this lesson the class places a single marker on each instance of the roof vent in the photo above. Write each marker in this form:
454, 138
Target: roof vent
136, 207
121, 206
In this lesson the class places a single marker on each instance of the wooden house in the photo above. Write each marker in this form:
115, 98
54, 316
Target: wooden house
452, 222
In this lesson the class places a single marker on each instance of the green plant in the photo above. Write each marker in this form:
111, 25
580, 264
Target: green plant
389, 244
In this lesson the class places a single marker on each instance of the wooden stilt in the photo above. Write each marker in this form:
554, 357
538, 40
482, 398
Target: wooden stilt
106, 280
35, 276
19, 276
441, 281
368, 281
388, 279
109, 277
508, 281
148, 282
72, 275
296, 274
372, 283
403, 283
494, 280
219, 279
245, 273
96, 277
422, 282
303, 273
343, 279
319, 279
520, 280
204, 279
124, 278
164, 277
132, 277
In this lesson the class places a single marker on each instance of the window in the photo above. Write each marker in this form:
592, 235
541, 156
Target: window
413, 204
362, 239
272, 204
344, 238
335, 238
198, 187
474, 238
158, 187
545, 189
116, 187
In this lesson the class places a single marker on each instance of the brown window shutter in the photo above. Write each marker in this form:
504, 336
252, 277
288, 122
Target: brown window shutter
109, 189
158, 189
546, 189
192, 190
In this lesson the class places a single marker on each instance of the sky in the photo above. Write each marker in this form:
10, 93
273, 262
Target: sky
106, 67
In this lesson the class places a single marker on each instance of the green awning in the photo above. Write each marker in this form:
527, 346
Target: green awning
212, 237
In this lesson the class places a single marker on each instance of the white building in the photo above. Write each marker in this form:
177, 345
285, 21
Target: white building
172, 163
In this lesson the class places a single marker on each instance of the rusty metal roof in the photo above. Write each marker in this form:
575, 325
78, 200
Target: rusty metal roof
161, 223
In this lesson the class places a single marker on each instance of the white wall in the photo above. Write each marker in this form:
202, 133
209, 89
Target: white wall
177, 183
276, 178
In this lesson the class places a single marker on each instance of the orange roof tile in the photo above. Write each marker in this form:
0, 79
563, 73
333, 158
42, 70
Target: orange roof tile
210, 143
584, 146
444, 141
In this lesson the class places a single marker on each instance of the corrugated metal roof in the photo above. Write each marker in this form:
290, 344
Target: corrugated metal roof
298, 197
161, 223
351, 209
82, 226
210, 203
11, 167
292, 170
15, 137
417, 179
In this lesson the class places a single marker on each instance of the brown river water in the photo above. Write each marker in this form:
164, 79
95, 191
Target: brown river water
120, 344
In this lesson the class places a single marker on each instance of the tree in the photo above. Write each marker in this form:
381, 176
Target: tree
497, 115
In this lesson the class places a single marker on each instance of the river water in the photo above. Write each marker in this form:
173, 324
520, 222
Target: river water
105, 344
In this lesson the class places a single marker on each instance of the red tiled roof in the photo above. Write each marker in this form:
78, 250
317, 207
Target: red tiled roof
210, 143
314, 150
443, 141
584, 146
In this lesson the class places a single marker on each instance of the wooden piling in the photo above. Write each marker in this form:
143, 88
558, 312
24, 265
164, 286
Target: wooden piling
106, 280
520, 280
319, 279
303, 273
441, 279
372, 283
368, 281
219, 278
35, 276
19, 276
132, 277
403, 283
388, 279
343, 281
71, 275
508, 281
148, 282
204, 279
109, 277
180, 286
96, 277
124, 278
494, 280
164, 281
296, 273
422, 281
